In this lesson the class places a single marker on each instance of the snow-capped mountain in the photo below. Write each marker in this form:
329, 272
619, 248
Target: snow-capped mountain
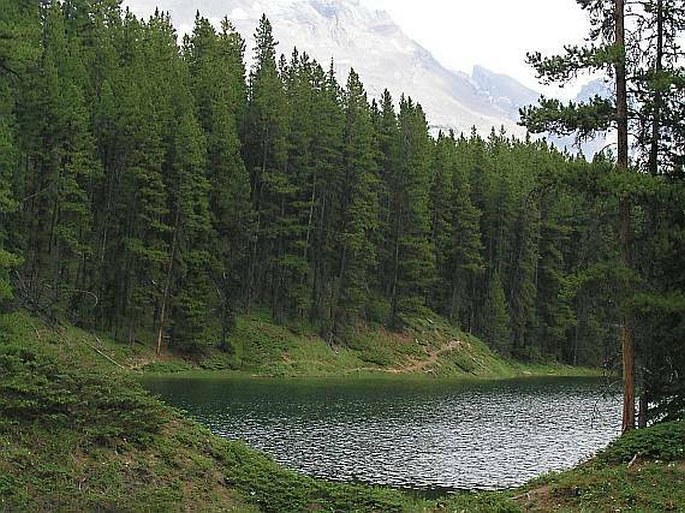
369, 41
505, 92
374, 45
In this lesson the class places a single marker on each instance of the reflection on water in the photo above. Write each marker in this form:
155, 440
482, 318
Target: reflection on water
422, 435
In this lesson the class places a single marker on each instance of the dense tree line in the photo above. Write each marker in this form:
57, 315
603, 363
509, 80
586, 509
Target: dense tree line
156, 191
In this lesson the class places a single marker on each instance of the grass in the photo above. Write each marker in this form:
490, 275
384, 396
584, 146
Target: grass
77, 433
428, 347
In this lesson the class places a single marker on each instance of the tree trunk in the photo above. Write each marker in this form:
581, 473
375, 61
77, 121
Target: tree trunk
658, 66
454, 310
167, 285
642, 415
624, 216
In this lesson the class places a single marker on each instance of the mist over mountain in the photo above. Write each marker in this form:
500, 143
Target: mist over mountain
503, 91
369, 41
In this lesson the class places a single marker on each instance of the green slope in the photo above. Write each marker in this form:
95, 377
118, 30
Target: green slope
77, 433
429, 346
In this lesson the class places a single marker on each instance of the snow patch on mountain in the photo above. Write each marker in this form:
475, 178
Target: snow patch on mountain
364, 39
369, 41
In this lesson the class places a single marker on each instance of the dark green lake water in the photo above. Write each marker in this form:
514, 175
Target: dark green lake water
418, 434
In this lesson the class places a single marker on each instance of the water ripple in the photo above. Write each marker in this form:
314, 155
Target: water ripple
430, 435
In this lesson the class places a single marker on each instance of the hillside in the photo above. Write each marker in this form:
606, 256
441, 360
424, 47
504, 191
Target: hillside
77, 434
259, 346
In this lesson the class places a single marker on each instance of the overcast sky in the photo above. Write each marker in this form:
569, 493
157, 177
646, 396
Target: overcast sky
494, 33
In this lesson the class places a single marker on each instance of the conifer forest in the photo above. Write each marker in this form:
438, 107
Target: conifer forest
156, 186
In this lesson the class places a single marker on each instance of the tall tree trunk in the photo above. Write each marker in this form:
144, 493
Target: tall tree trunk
624, 217
167, 284
658, 67
320, 274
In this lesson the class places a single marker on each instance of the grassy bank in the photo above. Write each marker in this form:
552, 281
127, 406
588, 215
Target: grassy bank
78, 434
262, 348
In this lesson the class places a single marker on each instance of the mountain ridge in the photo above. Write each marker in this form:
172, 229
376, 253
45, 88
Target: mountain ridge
370, 42
355, 37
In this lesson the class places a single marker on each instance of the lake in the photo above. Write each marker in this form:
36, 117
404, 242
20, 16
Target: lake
414, 433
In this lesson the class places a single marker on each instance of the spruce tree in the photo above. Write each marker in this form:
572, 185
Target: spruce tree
359, 211
413, 266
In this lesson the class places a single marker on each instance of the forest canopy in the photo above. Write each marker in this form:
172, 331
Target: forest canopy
157, 190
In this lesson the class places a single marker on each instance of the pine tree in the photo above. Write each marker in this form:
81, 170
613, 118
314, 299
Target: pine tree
18, 51
189, 265
413, 267
62, 165
609, 54
184, 291
297, 215
324, 207
216, 64
265, 150
496, 322
464, 263
387, 135
136, 220
359, 211
440, 198
656, 58
553, 298
8, 203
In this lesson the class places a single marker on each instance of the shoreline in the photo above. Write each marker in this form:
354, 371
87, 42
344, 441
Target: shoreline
90, 438
380, 375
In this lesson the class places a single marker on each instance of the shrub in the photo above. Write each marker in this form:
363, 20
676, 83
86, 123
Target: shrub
662, 441
35, 386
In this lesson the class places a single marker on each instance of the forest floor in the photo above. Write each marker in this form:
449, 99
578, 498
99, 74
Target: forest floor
77, 433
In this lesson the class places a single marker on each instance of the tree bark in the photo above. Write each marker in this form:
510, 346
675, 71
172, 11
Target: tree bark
658, 67
644, 405
167, 284
624, 215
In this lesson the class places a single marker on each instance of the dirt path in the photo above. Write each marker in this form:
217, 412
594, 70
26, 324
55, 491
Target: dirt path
417, 365
433, 356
